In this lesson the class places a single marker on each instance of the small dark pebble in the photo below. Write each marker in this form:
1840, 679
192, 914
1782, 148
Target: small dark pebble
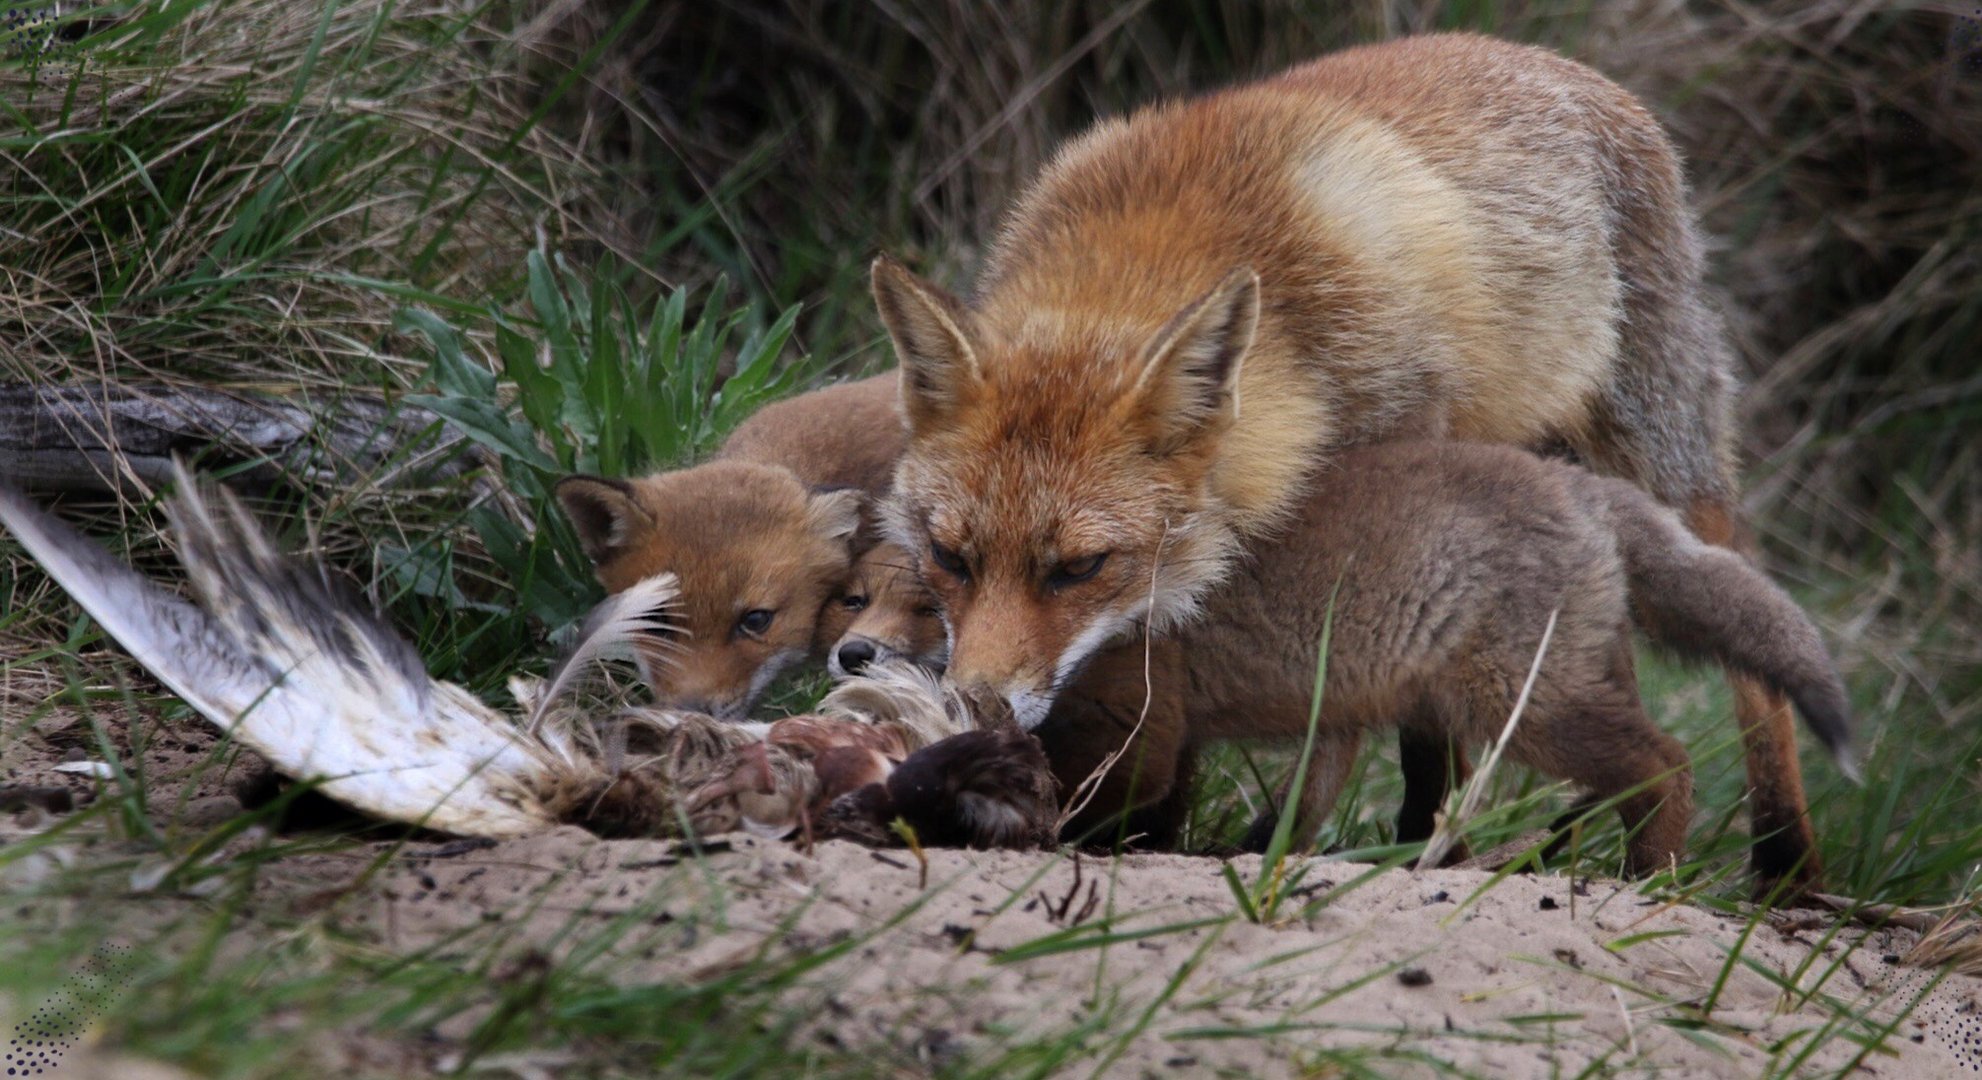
1414, 976
1890, 958
940, 1046
1183, 1061
1549, 904
210, 812
53, 800
1440, 897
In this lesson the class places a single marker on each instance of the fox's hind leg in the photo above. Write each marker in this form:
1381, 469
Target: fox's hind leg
1614, 750
1785, 850
1665, 421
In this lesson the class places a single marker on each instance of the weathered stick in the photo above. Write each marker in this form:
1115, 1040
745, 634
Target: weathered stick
103, 438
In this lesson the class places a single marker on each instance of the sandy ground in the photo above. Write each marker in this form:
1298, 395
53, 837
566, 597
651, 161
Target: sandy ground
1532, 977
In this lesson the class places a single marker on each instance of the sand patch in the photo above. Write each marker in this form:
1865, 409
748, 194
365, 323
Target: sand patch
1532, 977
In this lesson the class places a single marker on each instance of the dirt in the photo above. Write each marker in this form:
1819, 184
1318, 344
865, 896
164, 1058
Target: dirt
1532, 976
191, 776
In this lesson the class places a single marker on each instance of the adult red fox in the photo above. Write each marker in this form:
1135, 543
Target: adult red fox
1196, 307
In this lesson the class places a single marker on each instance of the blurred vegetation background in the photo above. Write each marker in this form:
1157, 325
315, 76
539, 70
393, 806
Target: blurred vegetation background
596, 233
519, 213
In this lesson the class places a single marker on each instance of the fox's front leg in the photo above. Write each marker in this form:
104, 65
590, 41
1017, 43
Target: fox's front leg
1433, 764
1329, 771
1128, 705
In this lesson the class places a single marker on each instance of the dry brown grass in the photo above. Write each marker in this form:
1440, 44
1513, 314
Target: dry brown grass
212, 190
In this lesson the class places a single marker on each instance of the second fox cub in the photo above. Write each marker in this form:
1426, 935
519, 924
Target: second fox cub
1450, 558
883, 613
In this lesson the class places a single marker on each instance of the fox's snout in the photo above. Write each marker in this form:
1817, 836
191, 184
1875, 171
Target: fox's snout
856, 654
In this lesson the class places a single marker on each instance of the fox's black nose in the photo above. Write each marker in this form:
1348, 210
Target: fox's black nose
856, 654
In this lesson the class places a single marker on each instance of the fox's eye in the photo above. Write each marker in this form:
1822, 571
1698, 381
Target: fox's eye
853, 603
1074, 571
950, 561
928, 613
755, 621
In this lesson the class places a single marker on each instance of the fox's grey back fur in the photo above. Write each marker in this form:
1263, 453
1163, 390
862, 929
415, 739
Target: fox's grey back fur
1441, 563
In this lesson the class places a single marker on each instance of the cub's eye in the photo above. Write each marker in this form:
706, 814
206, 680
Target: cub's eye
928, 613
1074, 571
951, 562
853, 603
755, 621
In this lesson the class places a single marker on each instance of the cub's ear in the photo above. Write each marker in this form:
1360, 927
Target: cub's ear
1189, 383
835, 512
604, 512
927, 325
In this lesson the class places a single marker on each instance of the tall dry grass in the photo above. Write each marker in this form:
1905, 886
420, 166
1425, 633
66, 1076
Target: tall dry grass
243, 192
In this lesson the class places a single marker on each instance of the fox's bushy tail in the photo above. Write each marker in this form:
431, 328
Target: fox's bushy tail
1710, 604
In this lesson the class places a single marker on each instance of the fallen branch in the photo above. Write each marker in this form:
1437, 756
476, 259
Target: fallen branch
122, 438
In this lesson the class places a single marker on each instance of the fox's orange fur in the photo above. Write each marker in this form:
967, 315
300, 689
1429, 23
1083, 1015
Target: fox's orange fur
765, 531
848, 435
1195, 307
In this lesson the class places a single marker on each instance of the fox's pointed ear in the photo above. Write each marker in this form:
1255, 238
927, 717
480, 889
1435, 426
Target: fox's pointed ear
927, 325
835, 512
604, 512
1189, 383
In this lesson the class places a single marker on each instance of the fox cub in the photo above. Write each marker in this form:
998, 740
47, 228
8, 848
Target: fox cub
1195, 308
1445, 561
761, 537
